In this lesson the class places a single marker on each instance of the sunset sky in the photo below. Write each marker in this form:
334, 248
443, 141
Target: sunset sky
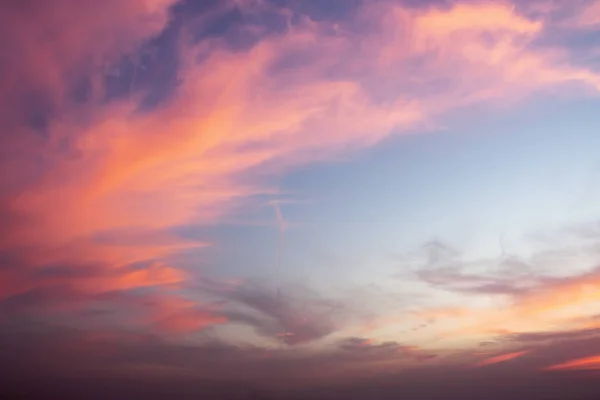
296, 194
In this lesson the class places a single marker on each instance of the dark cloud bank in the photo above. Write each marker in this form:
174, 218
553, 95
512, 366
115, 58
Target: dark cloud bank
44, 362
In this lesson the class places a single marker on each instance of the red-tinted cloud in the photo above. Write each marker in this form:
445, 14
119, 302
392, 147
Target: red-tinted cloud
501, 358
587, 363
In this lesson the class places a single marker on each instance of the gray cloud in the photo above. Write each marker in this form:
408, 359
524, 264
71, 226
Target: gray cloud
291, 317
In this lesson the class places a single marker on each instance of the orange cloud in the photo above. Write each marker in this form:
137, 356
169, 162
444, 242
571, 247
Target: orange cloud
505, 302
563, 294
497, 16
188, 320
93, 281
501, 358
587, 363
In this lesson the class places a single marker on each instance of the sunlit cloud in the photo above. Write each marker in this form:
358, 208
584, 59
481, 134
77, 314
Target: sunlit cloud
587, 363
501, 358
509, 296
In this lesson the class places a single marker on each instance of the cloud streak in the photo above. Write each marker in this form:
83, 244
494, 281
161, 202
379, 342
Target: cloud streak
587, 363
501, 358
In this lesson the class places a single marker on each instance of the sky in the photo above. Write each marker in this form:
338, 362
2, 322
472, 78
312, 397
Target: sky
300, 199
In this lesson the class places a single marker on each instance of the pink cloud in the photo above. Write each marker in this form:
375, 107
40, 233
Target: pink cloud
178, 315
586, 363
501, 358
47, 41
586, 17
